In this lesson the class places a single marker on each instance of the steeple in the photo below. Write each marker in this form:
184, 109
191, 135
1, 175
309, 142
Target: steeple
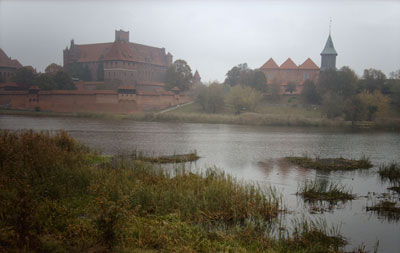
328, 55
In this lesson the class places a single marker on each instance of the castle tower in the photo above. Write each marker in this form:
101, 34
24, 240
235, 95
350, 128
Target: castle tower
328, 55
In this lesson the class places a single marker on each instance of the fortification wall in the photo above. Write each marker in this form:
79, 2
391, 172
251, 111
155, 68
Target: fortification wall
87, 101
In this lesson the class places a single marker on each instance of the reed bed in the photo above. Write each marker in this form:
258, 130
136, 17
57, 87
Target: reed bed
176, 158
316, 191
330, 164
390, 172
58, 196
386, 209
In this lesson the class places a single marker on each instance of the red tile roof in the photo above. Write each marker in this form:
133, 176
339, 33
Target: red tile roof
288, 64
309, 64
119, 51
125, 51
6, 61
270, 64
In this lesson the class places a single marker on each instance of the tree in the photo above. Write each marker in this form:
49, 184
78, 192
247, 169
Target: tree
24, 77
366, 105
258, 82
243, 98
309, 94
211, 98
63, 81
333, 105
45, 81
52, 68
342, 82
100, 72
179, 75
80, 71
275, 91
291, 87
373, 79
237, 75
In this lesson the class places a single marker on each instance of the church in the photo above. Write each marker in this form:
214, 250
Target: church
289, 72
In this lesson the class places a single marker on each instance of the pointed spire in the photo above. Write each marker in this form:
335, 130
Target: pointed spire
329, 48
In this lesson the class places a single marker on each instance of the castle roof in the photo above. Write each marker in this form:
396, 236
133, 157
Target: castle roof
6, 61
308, 64
288, 64
329, 48
123, 51
119, 51
270, 64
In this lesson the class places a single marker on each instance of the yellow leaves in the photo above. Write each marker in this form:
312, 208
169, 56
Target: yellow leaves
375, 99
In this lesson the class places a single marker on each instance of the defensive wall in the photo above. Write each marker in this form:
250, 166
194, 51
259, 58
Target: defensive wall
99, 101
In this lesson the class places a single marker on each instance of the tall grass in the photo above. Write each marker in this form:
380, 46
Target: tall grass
56, 197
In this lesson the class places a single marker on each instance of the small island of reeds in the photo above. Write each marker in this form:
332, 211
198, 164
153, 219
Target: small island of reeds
330, 164
387, 209
312, 191
176, 158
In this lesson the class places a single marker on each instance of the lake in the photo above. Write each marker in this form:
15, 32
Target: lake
254, 154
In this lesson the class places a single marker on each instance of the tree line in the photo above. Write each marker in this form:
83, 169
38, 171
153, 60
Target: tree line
339, 93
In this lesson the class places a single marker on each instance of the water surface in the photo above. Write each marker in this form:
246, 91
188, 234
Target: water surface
254, 154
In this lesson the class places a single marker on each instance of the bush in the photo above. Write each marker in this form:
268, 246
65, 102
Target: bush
243, 98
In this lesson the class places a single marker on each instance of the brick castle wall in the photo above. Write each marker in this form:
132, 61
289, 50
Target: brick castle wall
88, 101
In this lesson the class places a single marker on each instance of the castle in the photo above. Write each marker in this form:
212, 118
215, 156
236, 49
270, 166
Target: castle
122, 62
8, 66
289, 72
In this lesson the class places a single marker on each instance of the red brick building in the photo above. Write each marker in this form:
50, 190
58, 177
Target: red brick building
8, 66
123, 61
289, 72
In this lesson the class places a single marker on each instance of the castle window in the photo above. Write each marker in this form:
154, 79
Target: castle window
305, 76
271, 76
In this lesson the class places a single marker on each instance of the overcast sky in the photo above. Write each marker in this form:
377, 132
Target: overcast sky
212, 36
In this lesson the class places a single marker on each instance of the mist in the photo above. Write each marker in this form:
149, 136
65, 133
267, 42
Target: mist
211, 36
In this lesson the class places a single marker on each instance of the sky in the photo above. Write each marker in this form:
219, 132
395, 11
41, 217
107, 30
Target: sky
212, 36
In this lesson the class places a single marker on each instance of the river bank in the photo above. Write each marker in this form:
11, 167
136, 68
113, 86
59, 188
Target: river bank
251, 119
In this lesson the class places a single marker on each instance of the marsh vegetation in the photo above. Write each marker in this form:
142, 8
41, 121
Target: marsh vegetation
330, 164
312, 191
54, 199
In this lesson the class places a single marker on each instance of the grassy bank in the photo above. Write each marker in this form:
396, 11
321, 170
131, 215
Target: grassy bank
55, 200
330, 164
277, 117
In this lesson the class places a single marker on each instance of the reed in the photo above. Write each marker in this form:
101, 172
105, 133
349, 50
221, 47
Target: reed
58, 196
317, 191
390, 172
330, 164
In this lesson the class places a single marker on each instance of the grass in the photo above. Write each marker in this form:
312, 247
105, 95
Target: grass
286, 112
387, 209
180, 158
312, 191
330, 164
58, 196
390, 172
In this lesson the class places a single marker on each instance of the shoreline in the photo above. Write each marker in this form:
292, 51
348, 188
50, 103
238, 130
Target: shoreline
250, 119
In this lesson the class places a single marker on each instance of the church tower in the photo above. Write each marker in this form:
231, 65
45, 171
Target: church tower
328, 55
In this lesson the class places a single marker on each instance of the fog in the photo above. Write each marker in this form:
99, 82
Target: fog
212, 36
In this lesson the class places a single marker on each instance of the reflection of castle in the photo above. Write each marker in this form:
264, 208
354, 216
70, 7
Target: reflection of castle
129, 63
289, 72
